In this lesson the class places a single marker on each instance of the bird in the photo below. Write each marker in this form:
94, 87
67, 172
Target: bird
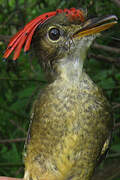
71, 121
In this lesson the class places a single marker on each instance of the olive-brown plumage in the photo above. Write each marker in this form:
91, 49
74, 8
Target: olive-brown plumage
71, 119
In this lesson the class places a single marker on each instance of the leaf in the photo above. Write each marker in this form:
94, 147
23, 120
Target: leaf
116, 147
26, 92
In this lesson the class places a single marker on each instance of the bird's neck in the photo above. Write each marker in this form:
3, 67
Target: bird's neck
69, 69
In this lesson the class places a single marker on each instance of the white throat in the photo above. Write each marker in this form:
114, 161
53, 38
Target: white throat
70, 67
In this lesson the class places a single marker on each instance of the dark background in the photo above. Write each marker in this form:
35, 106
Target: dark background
20, 81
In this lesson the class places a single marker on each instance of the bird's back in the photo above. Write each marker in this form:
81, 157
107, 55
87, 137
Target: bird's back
68, 120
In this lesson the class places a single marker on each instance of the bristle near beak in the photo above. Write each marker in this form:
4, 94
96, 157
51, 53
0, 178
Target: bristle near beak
95, 25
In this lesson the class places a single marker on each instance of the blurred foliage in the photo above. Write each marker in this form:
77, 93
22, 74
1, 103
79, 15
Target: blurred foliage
20, 81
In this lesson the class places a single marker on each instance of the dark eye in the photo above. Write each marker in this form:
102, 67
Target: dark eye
54, 34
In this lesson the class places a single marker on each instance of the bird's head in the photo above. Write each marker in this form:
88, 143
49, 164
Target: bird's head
60, 39
62, 42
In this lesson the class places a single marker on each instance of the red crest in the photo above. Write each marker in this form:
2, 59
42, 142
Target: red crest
24, 36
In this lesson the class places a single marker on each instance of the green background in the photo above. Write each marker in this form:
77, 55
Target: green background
20, 81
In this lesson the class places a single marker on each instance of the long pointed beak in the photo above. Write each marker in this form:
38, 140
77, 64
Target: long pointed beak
95, 25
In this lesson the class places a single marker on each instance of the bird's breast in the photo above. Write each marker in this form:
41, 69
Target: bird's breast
67, 122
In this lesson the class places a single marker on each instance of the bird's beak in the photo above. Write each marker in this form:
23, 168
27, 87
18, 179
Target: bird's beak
95, 25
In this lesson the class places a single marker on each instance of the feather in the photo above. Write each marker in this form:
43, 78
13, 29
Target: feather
24, 36
29, 39
19, 47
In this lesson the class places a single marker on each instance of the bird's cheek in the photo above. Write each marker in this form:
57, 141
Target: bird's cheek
47, 47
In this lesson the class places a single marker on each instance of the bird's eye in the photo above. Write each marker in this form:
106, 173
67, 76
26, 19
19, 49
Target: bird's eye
54, 34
